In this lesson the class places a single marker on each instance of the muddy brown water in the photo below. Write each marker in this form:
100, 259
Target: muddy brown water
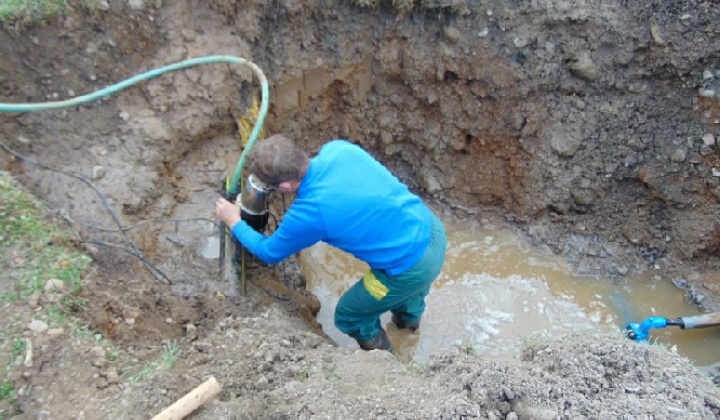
496, 293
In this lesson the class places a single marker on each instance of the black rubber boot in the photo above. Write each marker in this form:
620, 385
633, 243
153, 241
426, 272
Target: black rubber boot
412, 326
379, 342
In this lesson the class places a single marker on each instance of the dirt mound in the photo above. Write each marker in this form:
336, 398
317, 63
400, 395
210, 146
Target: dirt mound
271, 367
270, 364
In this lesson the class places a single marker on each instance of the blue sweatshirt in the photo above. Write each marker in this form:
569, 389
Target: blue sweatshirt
351, 201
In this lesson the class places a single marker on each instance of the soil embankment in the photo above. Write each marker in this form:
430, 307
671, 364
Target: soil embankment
589, 125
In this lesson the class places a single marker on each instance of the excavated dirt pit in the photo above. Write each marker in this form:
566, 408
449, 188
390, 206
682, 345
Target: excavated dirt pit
588, 128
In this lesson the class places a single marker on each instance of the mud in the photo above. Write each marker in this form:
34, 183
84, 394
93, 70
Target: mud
589, 126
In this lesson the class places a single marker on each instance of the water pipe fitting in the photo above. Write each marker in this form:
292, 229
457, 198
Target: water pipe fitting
641, 331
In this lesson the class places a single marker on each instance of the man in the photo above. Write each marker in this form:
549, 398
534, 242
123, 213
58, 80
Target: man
349, 200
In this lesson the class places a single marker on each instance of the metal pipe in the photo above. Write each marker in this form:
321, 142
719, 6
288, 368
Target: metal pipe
701, 321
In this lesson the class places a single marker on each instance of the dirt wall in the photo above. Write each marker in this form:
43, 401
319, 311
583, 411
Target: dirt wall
591, 124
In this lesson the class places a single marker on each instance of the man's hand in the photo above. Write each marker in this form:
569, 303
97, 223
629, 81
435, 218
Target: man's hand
227, 212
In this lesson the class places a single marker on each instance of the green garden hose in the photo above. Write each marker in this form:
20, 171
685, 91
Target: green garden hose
234, 184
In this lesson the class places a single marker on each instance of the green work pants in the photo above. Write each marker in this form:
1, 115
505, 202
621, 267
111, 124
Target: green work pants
358, 312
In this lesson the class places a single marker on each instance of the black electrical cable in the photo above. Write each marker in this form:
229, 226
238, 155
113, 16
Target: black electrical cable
153, 270
135, 251
136, 225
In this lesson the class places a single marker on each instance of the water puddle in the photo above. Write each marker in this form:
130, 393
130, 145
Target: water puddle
495, 292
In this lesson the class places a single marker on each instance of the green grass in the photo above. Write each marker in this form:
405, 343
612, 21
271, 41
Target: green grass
7, 390
307, 372
7, 393
331, 374
25, 12
470, 350
18, 347
32, 249
112, 352
169, 356
536, 340
415, 368
29, 11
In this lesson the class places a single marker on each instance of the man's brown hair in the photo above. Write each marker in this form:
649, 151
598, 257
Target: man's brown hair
276, 159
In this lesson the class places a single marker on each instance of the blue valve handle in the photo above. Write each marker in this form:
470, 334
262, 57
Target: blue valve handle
641, 331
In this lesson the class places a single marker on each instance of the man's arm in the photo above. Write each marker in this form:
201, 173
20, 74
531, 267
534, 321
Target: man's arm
301, 227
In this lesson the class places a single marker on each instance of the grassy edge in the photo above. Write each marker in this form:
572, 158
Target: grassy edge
20, 13
34, 253
168, 357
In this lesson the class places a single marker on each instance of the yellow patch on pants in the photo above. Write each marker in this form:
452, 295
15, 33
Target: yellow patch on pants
374, 286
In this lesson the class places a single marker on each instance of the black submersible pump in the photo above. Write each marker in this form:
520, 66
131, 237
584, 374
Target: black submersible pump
254, 203
254, 210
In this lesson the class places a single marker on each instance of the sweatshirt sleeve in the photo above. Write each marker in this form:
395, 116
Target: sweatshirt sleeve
301, 227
